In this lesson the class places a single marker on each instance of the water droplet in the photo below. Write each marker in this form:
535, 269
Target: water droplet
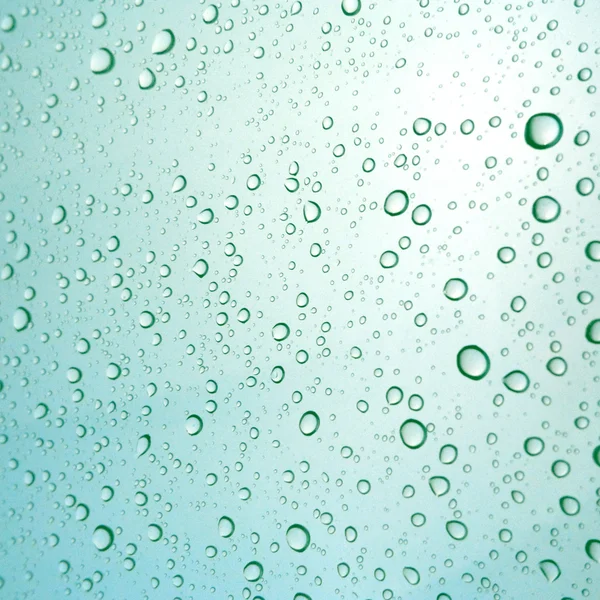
473, 362
592, 250
21, 319
394, 395
226, 527
439, 485
569, 505
550, 570
200, 268
592, 331
411, 575
280, 332
457, 530
543, 131
516, 381
413, 433
309, 423
146, 79
396, 203
592, 549
210, 14
312, 212
163, 42
351, 7
143, 445
103, 537
102, 61
59, 214
546, 209
193, 425
421, 126
155, 532
253, 571
534, 446
298, 538
455, 289
389, 259
179, 184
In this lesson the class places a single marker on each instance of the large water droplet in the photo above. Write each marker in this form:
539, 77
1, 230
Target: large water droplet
309, 423
298, 538
413, 433
102, 61
516, 381
253, 571
473, 362
550, 569
193, 425
396, 203
226, 527
163, 41
103, 537
543, 130
21, 318
351, 7
546, 209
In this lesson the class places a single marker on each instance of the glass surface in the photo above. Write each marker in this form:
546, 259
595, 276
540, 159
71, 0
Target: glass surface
299, 300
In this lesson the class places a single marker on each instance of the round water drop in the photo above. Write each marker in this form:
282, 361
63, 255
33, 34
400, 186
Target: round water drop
389, 259
543, 131
200, 268
309, 423
103, 537
448, 454
210, 14
467, 127
226, 527
102, 61
592, 549
193, 425
394, 395
40, 411
413, 433
7, 23
155, 532
21, 319
146, 79
421, 215
516, 381
592, 332
280, 332
560, 468
440, 486
298, 538
421, 126
146, 319
506, 255
363, 486
585, 186
98, 20
457, 530
113, 371
546, 209
411, 575
351, 7
550, 569
231, 202
312, 212
455, 289
206, 216
253, 182
253, 571
533, 446
473, 362
163, 41
557, 366
592, 251
59, 214
179, 184
291, 184
396, 203
143, 445
569, 505
582, 138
